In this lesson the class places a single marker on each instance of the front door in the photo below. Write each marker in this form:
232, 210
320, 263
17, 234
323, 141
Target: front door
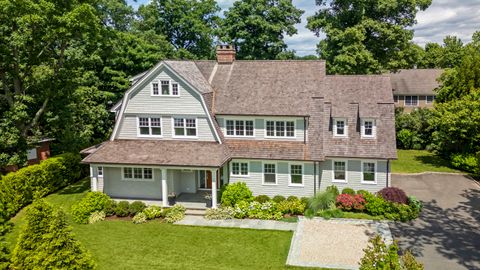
209, 179
205, 180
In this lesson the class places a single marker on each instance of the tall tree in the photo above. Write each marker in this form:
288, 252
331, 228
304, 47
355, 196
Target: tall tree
42, 46
432, 56
188, 24
452, 52
258, 28
366, 36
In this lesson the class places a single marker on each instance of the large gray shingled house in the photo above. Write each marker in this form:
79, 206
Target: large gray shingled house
282, 127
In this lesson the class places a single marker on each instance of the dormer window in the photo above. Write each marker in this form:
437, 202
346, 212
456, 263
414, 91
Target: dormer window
368, 128
165, 88
340, 127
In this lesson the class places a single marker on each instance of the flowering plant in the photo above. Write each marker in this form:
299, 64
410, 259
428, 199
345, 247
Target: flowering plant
348, 202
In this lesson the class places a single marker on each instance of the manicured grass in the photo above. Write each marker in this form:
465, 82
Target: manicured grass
361, 216
117, 244
417, 161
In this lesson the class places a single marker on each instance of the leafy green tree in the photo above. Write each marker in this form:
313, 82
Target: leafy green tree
188, 24
40, 61
47, 242
432, 56
366, 36
258, 27
414, 129
452, 52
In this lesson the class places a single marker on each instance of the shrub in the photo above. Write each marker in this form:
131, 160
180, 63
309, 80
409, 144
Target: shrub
267, 210
322, 201
292, 198
139, 218
305, 200
375, 205
466, 162
362, 192
136, 207
415, 204
393, 194
262, 198
235, 193
96, 217
348, 202
409, 262
93, 201
220, 213
47, 242
175, 213
380, 256
278, 198
331, 213
292, 207
109, 208
123, 209
20, 188
348, 191
333, 189
152, 212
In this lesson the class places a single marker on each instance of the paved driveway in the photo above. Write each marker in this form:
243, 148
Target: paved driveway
447, 234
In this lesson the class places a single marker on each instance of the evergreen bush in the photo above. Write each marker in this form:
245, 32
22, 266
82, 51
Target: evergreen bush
235, 193
93, 201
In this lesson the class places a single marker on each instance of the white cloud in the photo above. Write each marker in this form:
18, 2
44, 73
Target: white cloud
444, 17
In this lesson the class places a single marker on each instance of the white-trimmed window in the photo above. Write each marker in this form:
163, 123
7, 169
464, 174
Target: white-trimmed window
269, 173
139, 174
339, 171
280, 128
411, 100
395, 99
369, 172
241, 128
100, 171
150, 126
368, 128
429, 99
165, 88
340, 127
185, 127
296, 174
239, 168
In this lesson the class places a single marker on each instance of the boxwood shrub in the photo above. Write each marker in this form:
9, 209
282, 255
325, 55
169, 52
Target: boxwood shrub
235, 193
348, 191
92, 202
262, 198
136, 207
278, 198
20, 188
123, 209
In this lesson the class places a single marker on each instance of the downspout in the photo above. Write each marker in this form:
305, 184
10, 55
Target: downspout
388, 171
314, 178
319, 178
305, 130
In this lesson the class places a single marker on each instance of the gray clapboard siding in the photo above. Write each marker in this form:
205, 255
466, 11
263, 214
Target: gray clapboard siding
128, 129
255, 180
189, 102
354, 176
259, 127
114, 186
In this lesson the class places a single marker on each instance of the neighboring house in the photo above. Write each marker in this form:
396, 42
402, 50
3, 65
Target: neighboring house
414, 88
282, 127
40, 152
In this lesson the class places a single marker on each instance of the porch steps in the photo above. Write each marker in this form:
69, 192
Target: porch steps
195, 212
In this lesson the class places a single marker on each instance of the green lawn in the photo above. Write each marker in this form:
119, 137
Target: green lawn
417, 161
155, 245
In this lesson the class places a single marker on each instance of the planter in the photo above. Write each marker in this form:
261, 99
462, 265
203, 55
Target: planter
172, 200
208, 203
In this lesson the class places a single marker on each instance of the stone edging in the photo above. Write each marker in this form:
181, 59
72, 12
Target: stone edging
428, 172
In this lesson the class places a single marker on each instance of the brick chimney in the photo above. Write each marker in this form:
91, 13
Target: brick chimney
225, 54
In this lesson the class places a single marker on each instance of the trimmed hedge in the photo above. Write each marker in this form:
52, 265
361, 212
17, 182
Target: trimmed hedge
20, 188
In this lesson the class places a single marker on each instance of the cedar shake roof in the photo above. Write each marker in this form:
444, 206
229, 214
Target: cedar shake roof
160, 152
415, 81
262, 149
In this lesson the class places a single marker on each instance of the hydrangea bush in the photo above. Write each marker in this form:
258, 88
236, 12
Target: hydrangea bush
220, 213
175, 213
96, 217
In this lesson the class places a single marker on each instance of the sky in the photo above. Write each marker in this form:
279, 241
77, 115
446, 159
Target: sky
444, 17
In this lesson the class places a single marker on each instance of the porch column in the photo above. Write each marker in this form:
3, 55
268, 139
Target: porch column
93, 180
164, 188
214, 188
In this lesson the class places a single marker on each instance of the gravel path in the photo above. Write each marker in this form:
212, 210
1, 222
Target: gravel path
335, 243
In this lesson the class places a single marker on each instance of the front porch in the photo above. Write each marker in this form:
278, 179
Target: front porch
189, 200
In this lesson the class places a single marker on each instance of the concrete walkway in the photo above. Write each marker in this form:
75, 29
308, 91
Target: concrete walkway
334, 243
239, 223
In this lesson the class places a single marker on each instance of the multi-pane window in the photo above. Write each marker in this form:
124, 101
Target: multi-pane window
239, 127
165, 87
175, 89
296, 174
367, 128
339, 128
155, 91
137, 173
100, 171
368, 171
395, 99
429, 99
411, 100
240, 168
185, 127
150, 126
339, 171
280, 128
269, 174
